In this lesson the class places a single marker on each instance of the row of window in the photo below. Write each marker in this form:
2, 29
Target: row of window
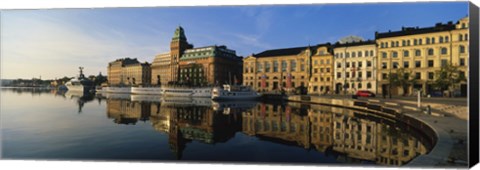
354, 74
353, 54
418, 75
327, 70
418, 63
321, 79
428, 40
430, 52
266, 67
354, 64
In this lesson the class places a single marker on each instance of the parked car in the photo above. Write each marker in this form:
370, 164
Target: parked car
365, 93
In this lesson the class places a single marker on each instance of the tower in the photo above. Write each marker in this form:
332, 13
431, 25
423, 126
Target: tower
177, 46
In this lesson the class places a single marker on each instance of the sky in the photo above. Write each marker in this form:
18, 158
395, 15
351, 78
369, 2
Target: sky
53, 43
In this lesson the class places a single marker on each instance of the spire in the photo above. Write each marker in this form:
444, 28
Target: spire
179, 34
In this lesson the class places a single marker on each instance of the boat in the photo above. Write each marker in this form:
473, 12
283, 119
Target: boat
112, 89
146, 98
147, 90
234, 92
80, 84
187, 92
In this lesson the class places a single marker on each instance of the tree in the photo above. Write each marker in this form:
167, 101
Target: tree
402, 78
448, 78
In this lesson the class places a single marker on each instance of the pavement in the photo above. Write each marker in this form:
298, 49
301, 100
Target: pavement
448, 118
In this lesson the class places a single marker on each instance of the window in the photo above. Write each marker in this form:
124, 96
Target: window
395, 64
420, 42
354, 54
462, 49
428, 40
463, 25
359, 54
446, 39
430, 63
418, 53
369, 85
371, 52
328, 70
462, 61
431, 75
359, 86
366, 53
339, 65
302, 67
444, 62
396, 43
360, 74
414, 41
347, 55
408, 42
348, 64
440, 40
384, 76
418, 76
359, 64
405, 53
433, 40
384, 65
466, 37
315, 70
394, 54
443, 50
369, 64
418, 64
369, 74
341, 55
339, 75
430, 51
275, 66
267, 67
293, 65
347, 74
460, 37
321, 61
392, 44
284, 66
353, 64
404, 43
259, 67
384, 55
406, 64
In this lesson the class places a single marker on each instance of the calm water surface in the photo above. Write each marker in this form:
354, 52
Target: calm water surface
45, 124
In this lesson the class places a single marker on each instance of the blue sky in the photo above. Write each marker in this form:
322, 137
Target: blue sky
53, 43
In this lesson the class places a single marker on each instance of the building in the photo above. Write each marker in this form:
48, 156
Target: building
321, 79
136, 74
278, 69
355, 67
210, 65
177, 46
421, 52
115, 70
161, 71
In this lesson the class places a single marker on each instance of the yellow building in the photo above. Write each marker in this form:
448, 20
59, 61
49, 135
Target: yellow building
136, 74
161, 72
422, 52
115, 70
355, 67
278, 69
321, 79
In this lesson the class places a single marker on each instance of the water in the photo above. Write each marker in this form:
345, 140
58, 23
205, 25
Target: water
46, 125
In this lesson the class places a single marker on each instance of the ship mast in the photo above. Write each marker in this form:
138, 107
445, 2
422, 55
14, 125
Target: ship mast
81, 76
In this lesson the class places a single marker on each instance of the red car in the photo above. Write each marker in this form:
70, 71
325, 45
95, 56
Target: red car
365, 93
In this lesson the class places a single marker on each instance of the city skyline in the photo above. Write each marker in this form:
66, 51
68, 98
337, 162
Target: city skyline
64, 39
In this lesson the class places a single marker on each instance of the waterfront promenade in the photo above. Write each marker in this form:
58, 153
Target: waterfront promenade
448, 118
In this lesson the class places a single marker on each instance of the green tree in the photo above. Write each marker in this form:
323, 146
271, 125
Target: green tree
402, 78
448, 78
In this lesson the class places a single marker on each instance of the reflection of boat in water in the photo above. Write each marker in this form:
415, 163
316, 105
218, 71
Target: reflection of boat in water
187, 92
80, 84
229, 92
121, 96
147, 90
145, 98
232, 106
186, 101
81, 97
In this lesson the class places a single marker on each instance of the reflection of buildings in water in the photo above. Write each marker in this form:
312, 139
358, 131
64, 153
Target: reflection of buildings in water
185, 123
380, 142
275, 121
127, 112
352, 138
81, 98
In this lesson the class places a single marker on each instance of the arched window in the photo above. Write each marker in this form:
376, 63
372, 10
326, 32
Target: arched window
440, 39
428, 40
369, 85
371, 52
405, 53
430, 51
394, 54
443, 50
446, 38
418, 53
460, 37
359, 85
466, 37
